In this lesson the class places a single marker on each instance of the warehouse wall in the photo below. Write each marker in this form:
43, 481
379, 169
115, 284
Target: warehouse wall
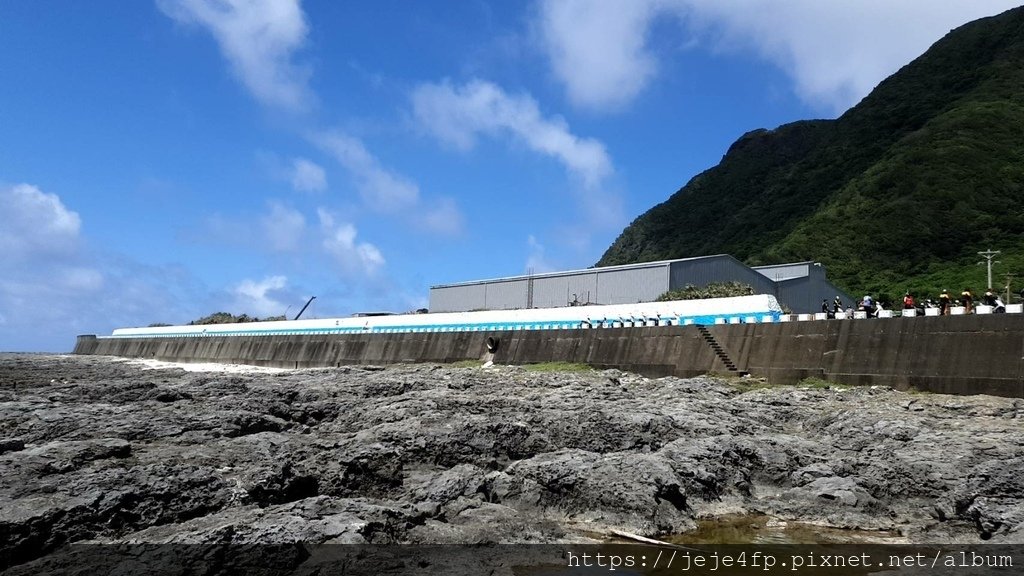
491, 295
703, 271
959, 354
613, 285
632, 285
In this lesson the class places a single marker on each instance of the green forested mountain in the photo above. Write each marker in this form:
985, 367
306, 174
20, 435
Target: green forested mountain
900, 192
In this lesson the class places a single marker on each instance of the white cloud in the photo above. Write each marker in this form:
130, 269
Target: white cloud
36, 224
53, 287
387, 192
283, 228
307, 176
457, 115
380, 189
598, 49
48, 283
835, 52
258, 38
261, 298
340, 242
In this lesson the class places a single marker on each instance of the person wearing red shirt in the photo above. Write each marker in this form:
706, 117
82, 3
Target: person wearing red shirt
908, 301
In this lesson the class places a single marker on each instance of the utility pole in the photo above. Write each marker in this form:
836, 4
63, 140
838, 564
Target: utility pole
1009, 276
989, 255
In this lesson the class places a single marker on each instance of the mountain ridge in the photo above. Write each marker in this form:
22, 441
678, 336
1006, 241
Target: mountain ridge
898, 193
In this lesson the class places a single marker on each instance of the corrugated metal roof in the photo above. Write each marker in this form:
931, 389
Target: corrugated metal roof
637, 266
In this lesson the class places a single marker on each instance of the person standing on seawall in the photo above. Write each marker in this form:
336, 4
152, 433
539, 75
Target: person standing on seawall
944, 303
908, 301
868, 305
989, 298
968, 299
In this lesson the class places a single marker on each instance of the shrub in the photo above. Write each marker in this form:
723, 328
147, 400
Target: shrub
713, 290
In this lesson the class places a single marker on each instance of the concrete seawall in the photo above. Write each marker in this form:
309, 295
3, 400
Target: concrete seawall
981, 354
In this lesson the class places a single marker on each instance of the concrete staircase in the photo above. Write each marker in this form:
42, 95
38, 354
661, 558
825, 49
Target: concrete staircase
718, 349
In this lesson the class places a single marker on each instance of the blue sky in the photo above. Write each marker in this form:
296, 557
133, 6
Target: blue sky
160, 161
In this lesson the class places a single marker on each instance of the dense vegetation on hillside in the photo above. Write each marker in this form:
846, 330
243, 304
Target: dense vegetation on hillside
899, 193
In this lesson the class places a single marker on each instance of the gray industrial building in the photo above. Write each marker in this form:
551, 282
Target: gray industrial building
799, 286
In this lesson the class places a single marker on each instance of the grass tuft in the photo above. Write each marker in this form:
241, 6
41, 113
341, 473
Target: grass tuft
558, 367
813, 382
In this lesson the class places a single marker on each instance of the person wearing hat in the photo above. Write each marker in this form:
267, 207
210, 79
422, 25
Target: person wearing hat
968, 299
989, 298
944, 301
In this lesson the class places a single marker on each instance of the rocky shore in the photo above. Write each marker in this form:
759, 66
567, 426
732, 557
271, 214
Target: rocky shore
96, 449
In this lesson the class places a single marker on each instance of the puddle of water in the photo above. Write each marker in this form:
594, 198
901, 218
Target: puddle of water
756, 529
